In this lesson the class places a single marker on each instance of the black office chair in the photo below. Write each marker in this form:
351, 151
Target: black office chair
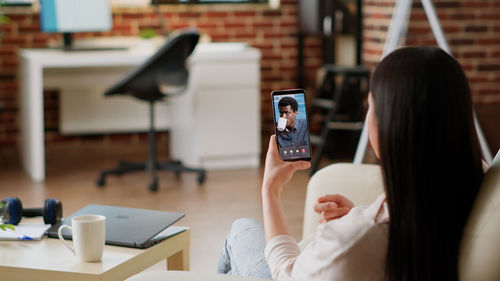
162, 75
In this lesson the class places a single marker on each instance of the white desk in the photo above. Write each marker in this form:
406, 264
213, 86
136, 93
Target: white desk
220, 75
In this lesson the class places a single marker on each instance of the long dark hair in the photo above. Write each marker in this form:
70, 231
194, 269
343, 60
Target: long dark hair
430, 159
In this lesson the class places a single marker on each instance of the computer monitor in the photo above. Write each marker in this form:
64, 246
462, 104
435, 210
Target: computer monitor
69, 16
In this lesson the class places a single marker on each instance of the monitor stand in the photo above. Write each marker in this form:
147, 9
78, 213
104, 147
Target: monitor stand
68, 46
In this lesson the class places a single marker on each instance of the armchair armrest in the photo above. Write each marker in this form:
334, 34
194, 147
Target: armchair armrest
360, 183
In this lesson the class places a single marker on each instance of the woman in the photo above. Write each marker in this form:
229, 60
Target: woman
421, 128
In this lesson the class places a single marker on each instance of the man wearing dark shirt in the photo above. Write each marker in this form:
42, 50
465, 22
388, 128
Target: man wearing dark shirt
295, 132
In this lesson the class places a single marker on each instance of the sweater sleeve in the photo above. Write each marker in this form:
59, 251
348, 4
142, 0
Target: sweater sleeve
327, 252
352, 247
281, 252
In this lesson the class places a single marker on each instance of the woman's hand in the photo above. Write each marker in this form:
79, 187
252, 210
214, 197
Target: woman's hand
278, 172
332, 206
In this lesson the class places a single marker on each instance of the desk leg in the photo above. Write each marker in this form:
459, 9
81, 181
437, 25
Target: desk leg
179, 261
32, 127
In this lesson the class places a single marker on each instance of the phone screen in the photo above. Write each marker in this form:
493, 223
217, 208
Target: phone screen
290, 124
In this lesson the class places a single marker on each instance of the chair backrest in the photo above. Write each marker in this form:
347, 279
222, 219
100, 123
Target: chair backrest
360, 183
166, 66
480, 249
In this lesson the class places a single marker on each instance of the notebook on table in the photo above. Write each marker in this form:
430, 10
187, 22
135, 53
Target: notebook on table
129, 227
25, 231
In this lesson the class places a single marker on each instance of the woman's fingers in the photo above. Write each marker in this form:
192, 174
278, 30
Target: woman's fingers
337, 198
337, 213
331, 198
327, 216
273, 151
330, 210
301, 165
276, 171
321, 207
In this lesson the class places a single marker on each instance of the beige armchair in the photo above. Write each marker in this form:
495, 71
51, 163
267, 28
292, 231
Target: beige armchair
480, 254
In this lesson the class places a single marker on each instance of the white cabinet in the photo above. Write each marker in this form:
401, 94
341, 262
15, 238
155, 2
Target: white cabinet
216, 122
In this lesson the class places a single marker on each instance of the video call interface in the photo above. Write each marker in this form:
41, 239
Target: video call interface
292, 133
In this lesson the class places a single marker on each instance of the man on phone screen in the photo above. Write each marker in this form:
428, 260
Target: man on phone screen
295, 132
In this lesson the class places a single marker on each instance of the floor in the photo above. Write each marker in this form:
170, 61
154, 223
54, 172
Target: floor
209, 209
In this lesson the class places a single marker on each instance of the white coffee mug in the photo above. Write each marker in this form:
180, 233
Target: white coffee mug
89, 235
281, 124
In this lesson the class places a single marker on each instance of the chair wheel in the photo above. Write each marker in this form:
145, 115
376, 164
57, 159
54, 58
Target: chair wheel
201, 177
153, 186
100, 182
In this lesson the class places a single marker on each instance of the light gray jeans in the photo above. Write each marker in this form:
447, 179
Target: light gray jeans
243, 252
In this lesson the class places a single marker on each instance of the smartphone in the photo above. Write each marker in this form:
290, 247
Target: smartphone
290, 124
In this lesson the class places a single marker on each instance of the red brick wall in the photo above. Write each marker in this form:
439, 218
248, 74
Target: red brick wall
272, 31
472, 28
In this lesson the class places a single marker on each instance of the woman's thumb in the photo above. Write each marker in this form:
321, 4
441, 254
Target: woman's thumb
301, 165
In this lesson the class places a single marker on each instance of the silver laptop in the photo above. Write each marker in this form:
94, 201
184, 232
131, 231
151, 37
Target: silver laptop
129, 227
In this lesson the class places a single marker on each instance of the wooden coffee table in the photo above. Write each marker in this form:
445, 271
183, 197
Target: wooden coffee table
48, 259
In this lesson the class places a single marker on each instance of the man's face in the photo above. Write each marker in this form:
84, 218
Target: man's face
290, 115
